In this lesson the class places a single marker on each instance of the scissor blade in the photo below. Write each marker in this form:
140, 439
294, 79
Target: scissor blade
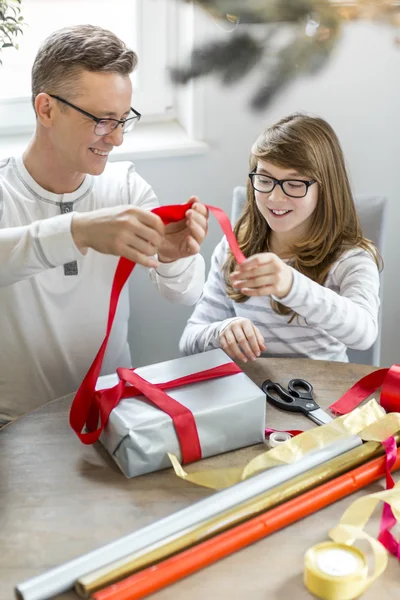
319, 416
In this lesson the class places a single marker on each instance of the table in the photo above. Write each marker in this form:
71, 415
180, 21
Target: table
60, 499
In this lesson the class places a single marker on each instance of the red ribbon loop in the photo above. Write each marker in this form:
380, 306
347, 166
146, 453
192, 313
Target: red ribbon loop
389, 379
92, 408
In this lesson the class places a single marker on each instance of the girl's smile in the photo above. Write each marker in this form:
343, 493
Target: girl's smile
279, 213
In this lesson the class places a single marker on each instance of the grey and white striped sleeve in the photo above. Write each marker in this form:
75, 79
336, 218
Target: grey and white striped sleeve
212, 312
349, 314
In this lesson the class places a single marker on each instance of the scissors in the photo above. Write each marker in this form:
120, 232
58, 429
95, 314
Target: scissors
297, 398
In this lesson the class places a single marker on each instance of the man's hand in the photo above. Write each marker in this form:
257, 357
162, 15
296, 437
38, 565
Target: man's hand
126, 231
185, 237
241, 340
263, 275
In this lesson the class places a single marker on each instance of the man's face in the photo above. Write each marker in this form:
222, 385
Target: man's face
72, 135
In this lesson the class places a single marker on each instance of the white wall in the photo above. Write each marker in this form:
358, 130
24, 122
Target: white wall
359, 94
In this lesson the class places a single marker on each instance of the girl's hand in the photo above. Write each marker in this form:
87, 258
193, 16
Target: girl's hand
242, 340
263, 275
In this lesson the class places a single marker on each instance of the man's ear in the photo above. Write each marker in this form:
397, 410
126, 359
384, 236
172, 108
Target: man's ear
44, 107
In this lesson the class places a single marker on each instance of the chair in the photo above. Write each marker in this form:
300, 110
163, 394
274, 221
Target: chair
372, 211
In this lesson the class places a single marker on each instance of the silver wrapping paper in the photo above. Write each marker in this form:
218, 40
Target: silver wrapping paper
229, 413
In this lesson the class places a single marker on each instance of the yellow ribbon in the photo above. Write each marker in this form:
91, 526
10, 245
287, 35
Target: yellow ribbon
369, 421
337, 570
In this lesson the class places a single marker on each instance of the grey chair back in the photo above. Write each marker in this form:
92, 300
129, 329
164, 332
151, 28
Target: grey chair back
372, 211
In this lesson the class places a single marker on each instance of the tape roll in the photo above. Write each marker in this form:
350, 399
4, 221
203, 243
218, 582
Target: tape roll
278, 437
334, 571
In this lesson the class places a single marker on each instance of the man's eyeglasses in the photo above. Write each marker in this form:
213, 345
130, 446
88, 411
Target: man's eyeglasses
105, 126
295, 188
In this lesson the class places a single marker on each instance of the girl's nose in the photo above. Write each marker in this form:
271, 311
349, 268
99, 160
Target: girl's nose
277, 193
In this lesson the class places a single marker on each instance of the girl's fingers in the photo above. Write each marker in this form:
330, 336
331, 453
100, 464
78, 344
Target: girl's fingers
250, 333
260, 339
256, 282
230, 346
243, 342
268, 290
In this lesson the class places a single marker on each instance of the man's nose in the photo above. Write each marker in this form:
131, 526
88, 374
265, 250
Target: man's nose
116, 137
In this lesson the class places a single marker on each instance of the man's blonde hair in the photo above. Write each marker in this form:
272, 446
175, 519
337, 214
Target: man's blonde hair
67, 52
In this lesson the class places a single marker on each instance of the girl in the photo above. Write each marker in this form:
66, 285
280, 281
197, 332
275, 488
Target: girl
310, 284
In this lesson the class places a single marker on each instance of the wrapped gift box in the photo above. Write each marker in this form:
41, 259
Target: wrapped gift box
229, 413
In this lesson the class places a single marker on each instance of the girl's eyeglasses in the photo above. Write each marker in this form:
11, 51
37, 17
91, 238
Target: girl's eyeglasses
295, 188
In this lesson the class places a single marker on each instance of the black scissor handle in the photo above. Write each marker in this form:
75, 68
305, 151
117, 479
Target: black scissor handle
301, 388
285, 400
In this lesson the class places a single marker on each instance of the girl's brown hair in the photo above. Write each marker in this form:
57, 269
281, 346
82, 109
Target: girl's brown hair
310, 146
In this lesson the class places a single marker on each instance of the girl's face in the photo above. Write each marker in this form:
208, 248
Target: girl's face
288, 217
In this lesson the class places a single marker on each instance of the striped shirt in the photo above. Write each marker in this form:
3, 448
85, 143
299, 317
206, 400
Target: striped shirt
342, 313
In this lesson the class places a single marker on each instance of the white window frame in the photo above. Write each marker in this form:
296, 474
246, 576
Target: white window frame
17, 115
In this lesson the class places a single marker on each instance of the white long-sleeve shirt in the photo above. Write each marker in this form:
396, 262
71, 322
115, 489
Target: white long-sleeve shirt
53, 299
341, 314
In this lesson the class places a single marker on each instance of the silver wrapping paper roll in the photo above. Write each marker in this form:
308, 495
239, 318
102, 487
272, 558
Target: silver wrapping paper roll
62, 578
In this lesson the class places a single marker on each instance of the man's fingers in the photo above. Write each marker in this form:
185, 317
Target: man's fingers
139, 258
200, 208
192, 247
197, 231
150, 220
142, 246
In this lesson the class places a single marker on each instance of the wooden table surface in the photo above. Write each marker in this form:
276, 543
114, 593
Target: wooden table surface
60, 499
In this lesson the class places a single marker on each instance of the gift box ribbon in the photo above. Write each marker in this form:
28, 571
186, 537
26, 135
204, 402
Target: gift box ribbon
91, 408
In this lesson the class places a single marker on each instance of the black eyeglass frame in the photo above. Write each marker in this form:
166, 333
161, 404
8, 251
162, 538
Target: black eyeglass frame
97, 120
280, 182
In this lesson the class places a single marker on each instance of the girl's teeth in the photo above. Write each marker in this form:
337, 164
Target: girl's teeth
279, 212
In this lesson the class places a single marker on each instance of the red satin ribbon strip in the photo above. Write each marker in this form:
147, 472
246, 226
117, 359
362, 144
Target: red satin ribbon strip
91, 408
388, 520
293, 432
389, 379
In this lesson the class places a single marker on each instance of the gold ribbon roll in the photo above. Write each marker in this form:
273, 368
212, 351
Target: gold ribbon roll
339, 571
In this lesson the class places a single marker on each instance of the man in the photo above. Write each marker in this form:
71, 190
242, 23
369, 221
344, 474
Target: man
66, 217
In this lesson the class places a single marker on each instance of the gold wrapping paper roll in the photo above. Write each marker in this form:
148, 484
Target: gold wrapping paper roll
116, 571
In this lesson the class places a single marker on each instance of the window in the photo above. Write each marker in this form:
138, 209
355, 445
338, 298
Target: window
147, 26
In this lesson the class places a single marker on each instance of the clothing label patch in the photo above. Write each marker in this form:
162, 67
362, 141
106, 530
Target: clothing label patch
70, 268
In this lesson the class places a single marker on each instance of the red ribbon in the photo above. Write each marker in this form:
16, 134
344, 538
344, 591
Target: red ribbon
91, 407
388, 520
389, 379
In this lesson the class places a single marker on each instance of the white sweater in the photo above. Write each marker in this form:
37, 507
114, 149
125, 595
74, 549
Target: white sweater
339, 314
53, 300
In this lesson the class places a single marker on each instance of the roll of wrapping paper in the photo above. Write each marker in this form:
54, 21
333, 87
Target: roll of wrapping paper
92, 582
189, 561
63, 577
361, 420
